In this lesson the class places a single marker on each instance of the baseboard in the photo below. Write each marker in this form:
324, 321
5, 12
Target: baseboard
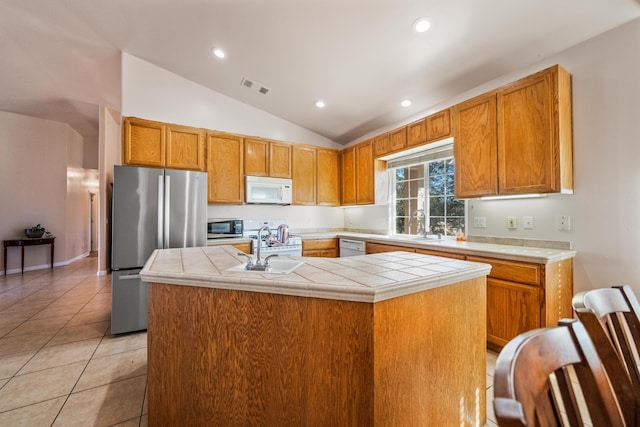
45, 266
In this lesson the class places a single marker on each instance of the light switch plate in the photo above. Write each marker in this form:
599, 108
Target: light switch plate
479, 221
511, 222
563, 222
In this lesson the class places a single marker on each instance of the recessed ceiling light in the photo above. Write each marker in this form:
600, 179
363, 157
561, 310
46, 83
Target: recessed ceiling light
219, 53
421, 25
320, 104
406, 103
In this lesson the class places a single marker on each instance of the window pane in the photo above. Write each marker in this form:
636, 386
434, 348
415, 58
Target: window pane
449, 166
401, 174
402, 207
454, 224
414, 187
436, 168
400, 225
401, 190
436, 206
437, 185
437, 225
416, 171
455, 207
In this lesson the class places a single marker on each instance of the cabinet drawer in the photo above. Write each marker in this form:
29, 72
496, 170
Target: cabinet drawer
511, 270
376, 248
440, 253
319, 244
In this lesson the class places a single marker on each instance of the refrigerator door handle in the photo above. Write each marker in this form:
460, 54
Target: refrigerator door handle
167, 210
130, 277
160, 210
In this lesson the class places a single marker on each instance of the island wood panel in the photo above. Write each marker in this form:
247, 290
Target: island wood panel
258, 359
430, 357
248, 358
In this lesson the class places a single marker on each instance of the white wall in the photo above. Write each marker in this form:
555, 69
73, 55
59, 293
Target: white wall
42, 181
150, 92
110, 153
605, 209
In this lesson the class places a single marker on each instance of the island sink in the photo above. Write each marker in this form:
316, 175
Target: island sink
276, 266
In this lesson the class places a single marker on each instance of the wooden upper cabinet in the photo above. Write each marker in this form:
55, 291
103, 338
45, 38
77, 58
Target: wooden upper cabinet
365, 174
328, 191
438, 125
381, 144
267, 158
475, 147
144, 142
279, 160
224, 167
256, 157
417, 133
534, 134
517, 139
348, 184
304, 175
398, 139
185, 148
157, 144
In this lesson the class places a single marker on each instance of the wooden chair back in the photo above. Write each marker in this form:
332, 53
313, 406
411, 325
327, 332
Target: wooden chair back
533, 386
611, 316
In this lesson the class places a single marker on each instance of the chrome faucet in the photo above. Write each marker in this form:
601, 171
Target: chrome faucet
258, 264
422, 230
260, 230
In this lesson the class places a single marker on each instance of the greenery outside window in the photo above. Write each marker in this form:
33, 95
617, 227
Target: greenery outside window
427, 186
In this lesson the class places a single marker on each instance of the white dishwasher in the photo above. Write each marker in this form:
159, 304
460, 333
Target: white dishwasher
352, 247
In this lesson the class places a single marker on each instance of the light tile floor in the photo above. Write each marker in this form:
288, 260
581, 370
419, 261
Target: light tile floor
59, 364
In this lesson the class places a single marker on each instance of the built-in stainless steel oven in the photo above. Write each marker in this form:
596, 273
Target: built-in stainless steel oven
223, 228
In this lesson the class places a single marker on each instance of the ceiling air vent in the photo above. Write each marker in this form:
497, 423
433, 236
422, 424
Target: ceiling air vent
254, 85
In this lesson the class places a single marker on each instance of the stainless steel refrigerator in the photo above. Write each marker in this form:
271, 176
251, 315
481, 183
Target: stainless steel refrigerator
151, 209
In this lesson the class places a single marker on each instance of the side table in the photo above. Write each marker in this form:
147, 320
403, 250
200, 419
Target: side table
27, 242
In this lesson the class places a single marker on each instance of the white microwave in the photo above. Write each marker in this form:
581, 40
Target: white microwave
263, 190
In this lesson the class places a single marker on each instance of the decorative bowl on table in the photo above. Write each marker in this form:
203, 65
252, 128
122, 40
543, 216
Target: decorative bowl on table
34, 234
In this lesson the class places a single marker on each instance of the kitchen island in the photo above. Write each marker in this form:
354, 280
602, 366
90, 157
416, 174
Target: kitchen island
393, 339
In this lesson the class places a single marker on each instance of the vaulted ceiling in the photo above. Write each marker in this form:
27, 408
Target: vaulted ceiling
61, 58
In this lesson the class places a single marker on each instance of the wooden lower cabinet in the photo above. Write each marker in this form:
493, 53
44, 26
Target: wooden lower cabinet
377, 248
523, 296
326, 248
440, 253
244, 247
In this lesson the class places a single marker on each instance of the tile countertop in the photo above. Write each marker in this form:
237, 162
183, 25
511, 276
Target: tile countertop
365, 278
521, 250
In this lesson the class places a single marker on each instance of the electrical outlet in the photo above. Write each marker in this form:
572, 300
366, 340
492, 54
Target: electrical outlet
528, 223
563, 222
511, 222
479, 222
